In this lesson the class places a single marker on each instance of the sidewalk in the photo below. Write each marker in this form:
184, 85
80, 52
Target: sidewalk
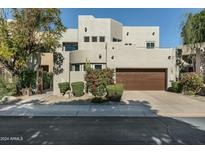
76, 110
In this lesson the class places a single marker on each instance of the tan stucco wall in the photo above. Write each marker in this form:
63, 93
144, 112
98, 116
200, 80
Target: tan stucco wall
140, 35
95, 27
71, 35
47, 59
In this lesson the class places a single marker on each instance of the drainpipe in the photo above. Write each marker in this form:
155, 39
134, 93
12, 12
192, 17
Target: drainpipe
106, 53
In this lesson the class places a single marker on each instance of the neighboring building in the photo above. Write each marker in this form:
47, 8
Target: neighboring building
133, 53
198, 55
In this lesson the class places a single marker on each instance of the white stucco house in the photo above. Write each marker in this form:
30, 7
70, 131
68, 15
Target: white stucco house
132, 51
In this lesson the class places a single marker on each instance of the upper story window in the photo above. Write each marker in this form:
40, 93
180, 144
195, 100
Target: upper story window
86, 39
94, 39
102, 38
150, 45
86, 29
71, 46
127, 33
114, 40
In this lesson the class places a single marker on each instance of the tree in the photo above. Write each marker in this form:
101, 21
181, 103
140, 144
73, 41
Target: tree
31, 32
193, 34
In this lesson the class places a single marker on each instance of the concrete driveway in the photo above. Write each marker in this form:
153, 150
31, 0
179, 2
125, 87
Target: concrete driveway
167, 104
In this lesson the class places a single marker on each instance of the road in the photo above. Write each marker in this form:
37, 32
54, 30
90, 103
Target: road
101, 130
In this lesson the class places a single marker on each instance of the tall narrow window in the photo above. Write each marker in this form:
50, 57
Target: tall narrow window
94, 39
102, 38
127, 33
86, 29
86, 39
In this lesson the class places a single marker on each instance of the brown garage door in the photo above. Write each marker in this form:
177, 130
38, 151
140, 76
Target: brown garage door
142, 79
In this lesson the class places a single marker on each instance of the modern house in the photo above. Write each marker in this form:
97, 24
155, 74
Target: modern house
132, 51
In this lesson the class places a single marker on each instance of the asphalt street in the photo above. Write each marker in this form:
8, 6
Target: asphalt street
101, 130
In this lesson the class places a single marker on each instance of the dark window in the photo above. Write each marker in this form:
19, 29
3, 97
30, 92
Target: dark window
70, 46
98, 67
75, 67
127, 33
94, 39
150, 45
45, 68
114, 40
102, 38
153, 33
86, 39
86, 29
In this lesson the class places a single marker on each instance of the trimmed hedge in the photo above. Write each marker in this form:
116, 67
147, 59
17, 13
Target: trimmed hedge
64, 86
78, 88
114, 92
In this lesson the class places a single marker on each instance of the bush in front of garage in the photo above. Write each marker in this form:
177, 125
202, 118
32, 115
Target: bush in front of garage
64, 86
114, 92
78, 88
175, 87
191, 83
97, 80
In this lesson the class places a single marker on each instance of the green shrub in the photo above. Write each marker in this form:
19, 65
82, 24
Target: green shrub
191, 82
7, 89
64, 86
189, 92
114, 92
98, 100
175, 87
47, 80
27, 79
97, 80
78, 88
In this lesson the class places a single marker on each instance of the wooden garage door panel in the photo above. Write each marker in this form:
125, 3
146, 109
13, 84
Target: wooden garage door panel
142, 79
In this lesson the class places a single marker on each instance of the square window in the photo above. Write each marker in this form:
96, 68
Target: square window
150, 45
98, 67
94, 39
86, 39
102, 38
75, 67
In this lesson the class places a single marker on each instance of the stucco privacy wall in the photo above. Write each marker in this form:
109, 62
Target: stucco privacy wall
95, 55
64, 76
47, 59
133, 57
140, 35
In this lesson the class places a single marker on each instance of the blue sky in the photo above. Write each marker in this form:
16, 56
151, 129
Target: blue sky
169, 20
